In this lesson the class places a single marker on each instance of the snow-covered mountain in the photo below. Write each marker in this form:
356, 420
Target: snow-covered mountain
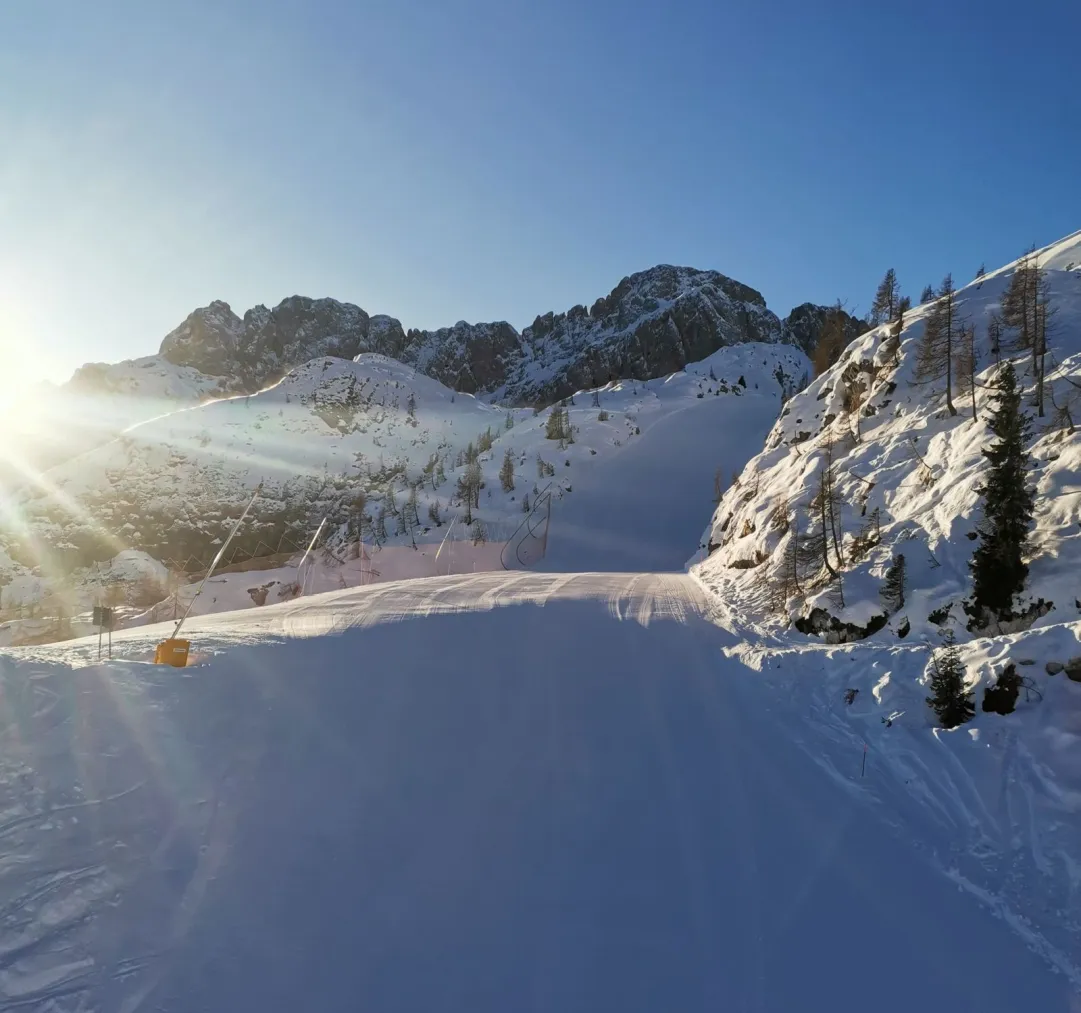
651, 324
349, 440
908, 476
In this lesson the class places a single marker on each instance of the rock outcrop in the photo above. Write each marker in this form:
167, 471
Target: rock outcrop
650, 324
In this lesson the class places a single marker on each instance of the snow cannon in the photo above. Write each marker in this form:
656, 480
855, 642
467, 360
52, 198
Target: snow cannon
174, 651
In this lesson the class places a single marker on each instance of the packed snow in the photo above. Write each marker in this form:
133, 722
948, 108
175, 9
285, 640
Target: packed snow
486, 792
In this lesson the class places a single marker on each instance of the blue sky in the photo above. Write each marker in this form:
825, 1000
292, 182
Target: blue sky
473, 159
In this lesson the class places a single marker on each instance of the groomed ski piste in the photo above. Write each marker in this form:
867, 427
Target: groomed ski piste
577, 789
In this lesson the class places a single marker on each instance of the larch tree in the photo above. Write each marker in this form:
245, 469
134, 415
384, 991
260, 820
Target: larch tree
998, 566
886, 300
965, 364
934, 354
994, 337
506, 472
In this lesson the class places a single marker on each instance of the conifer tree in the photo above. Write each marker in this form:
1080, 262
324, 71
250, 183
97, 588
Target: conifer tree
596, 402
998, 567
884, 305
894, 585
411, 405
994, 337
928, 294
553, 429
949, 698
506, 472
934, 355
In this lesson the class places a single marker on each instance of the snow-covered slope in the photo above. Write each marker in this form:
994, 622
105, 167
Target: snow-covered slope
99, 402
334, 430
909, 480
464, 801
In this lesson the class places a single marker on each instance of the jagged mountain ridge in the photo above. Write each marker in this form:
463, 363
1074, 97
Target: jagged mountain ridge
652, 323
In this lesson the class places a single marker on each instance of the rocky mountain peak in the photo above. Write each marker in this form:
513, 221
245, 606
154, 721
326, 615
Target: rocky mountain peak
653, 322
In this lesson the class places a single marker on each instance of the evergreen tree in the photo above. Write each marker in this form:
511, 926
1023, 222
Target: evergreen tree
411, 405
994, 336
949, 698
506, 472
893, 587
381, 525
596, 402
433, 513
508, 422
998, 567
928, 294
554, 428
934, 355
484, 441
886, 300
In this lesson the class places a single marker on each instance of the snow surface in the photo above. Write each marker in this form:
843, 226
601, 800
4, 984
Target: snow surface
327, 428
614, 789
464, 800
919, 467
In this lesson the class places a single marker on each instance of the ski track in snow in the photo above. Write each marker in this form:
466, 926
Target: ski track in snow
598, 787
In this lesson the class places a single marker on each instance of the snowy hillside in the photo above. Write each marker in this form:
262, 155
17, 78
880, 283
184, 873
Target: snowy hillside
907, 476
351, 441
98, 403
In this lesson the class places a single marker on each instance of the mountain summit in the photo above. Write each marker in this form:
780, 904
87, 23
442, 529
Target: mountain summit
652, 323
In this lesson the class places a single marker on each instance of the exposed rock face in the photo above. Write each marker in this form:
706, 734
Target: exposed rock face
208, 340
651, 323
471, 357
804, 324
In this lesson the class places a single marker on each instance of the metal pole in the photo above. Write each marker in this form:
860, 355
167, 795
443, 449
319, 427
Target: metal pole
217, 559
444, 542
307, 551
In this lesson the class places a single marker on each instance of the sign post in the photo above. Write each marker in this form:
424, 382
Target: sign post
103, 620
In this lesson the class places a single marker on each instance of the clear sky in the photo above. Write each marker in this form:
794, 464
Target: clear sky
493, 159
